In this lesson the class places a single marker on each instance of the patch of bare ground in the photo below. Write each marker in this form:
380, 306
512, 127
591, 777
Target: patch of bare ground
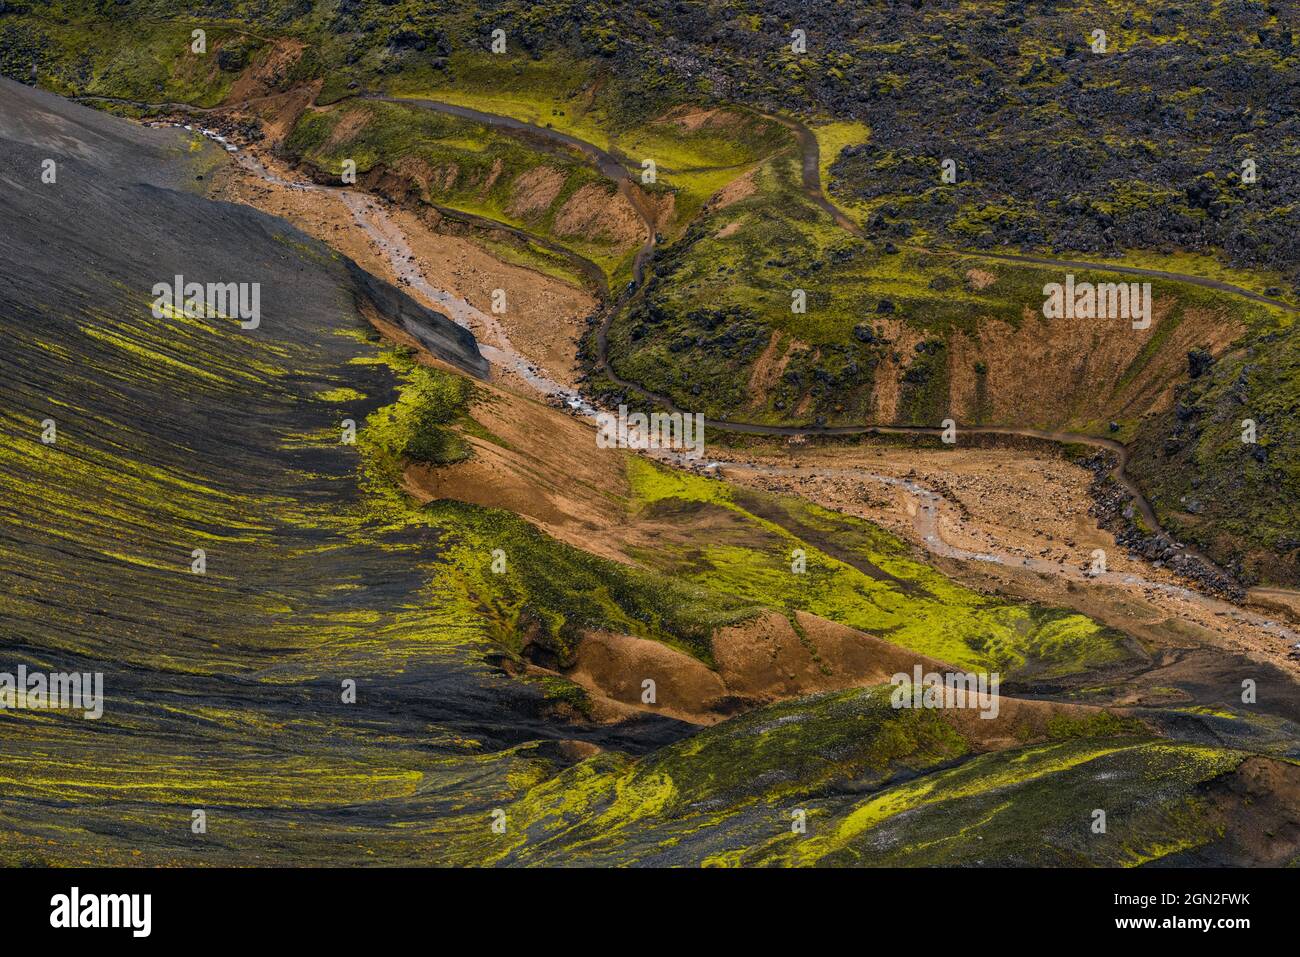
351, 122
1085, 370
771, 658
768, 369
694, 118
534, 191
545, 466
661, 207
493, 175
268, 71
739, 188
1017, 505
887, 385
597, 213
611, 668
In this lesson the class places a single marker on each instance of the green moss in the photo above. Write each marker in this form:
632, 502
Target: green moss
466, 167
876, 786
561, 691
1100, 724
858, 575
416, 427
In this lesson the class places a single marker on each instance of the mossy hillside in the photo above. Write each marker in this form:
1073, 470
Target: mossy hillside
550, 593
694, 164
860, 576
619, 112
982, 811
151, 61
1067, 160
542, 592
416, 427
720, 300
129, 64
1061, 152
715, 330
586, 100
715, 301
535, 256
371, 43
151, 511
461, 165
693, 160
553, 91
227, 681
1238, 501
610, 808
725, 796
272, 780
1031, 807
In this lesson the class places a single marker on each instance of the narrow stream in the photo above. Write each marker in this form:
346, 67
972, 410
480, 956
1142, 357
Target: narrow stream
925, 521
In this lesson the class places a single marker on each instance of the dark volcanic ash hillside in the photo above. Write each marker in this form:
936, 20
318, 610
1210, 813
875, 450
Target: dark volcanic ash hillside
126, 443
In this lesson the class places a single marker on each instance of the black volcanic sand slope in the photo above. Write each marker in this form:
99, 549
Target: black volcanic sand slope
223, 690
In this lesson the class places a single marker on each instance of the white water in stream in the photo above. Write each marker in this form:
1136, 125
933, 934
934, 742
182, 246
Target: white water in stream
370, 215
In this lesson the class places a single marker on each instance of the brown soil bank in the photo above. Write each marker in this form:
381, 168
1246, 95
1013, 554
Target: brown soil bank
542, 465
774, 658
769, 658
1057, 373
